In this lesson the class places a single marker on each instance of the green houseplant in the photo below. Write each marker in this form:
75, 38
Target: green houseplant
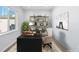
25, 26
25, 29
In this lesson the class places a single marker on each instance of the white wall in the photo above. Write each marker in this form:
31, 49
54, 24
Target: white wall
7, 39
39, 12
69, 39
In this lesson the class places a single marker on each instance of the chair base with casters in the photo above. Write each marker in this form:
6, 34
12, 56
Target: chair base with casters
47, 41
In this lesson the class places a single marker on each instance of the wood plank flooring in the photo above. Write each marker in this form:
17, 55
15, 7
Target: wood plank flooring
56, 47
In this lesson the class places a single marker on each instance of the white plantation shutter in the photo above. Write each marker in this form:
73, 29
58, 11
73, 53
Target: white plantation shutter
7, 19
3, 25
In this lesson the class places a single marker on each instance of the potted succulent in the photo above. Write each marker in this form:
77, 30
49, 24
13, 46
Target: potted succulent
25, 28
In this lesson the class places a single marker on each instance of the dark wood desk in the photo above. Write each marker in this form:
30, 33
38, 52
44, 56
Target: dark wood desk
29, 43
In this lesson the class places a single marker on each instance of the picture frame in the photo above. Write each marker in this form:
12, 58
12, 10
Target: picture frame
63, 21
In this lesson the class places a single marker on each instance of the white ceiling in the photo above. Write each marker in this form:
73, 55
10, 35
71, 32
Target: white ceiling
37, 7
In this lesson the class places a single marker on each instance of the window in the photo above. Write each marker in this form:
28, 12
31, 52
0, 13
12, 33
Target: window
7, 19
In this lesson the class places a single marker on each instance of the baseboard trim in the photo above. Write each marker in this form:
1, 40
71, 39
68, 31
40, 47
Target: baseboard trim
59, 46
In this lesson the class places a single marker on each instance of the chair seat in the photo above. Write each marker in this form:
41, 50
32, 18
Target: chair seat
47, 39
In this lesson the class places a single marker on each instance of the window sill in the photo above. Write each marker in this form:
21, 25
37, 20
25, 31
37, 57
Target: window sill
8, 32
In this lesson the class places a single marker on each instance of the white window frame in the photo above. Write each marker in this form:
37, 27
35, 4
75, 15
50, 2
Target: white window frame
16, 25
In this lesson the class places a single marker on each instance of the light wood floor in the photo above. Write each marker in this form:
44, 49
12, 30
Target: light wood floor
56, 47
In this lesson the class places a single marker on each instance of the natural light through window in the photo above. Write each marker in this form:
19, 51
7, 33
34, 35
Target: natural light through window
7, 19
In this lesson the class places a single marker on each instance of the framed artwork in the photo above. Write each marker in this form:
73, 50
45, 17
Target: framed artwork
63, 21
40, 21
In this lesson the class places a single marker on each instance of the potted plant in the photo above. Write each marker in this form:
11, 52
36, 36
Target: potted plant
25, 28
